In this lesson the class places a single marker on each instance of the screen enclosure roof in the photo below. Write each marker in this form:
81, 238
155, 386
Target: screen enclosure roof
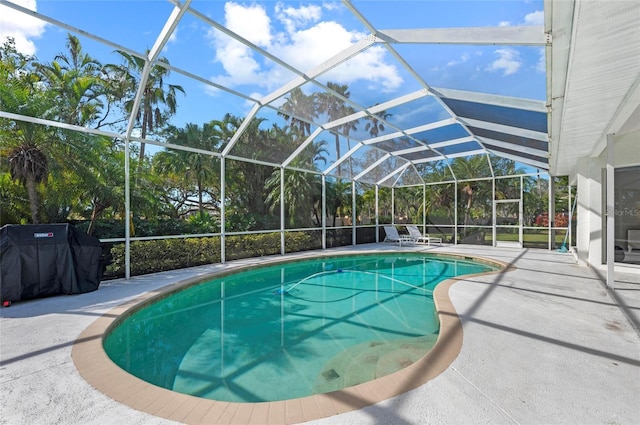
405, 86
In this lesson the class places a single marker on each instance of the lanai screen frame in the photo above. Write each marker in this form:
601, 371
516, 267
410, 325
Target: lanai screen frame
508, 127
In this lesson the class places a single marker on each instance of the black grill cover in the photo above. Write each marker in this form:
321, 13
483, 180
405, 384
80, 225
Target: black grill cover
40, 260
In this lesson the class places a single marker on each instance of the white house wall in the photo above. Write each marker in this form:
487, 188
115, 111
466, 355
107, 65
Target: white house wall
627, 149
589, 178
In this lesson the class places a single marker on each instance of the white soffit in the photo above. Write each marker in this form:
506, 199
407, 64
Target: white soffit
601, 81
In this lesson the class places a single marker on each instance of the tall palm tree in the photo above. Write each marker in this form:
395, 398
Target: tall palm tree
159, 101
302, 191
335, 108
374, 125
301, 105
465, 167
28, 165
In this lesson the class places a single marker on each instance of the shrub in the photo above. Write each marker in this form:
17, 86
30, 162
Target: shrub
170, 254
561, 220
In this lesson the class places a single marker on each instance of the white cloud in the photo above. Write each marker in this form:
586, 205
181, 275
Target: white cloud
237, 60
173, 38
370, 66
23, 28
534, 18
239, 64
332, 5
305, 42
250, 22
324, 39
293, 18
541, 65
508, 61
464, 58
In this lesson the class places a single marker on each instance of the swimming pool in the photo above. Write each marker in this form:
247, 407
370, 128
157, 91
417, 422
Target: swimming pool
289, 330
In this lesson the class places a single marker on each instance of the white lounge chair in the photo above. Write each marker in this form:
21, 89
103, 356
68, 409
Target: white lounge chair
420, 238
392, 235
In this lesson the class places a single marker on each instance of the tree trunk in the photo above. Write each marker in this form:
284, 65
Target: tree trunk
467, 212
200, 206
34, 201
143, 135
97, 211
338, 152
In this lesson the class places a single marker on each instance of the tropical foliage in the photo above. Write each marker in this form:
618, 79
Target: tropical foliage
53, 174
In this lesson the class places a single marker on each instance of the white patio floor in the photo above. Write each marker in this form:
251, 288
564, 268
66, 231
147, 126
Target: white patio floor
545, 343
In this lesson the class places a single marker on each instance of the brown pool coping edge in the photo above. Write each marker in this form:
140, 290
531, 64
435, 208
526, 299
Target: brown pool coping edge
99, 371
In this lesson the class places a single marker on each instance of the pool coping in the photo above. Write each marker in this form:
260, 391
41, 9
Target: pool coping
93, 364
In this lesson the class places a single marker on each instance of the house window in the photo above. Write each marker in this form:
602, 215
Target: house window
627, 214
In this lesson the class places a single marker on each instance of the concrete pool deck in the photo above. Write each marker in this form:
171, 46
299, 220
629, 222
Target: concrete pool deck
544, 343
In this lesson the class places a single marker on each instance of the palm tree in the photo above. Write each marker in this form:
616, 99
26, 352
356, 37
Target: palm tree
105, 181
464, 167
336, 108
338, 197
159, 101
374, 125
471, 167
28, 165
302, 191
79, 81
39, 154
193, 167
23, 143
301, 105
313, 154
245, 181
440, 197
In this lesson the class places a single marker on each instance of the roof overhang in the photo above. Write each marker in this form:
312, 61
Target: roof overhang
593, 72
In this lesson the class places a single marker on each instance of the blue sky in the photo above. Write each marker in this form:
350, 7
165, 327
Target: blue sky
302, 33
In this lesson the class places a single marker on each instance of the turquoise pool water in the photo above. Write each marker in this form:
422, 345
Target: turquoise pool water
288, 330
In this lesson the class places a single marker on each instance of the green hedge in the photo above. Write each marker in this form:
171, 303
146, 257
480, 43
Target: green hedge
170, 254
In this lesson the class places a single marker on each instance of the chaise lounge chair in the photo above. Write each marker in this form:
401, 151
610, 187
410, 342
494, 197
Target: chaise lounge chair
420, 238
392, 235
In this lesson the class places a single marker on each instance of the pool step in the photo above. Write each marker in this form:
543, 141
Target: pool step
371, 360
199, 363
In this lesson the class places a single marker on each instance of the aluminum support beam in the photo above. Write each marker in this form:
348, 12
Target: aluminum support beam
343, 159
327, 65
418, 129
526, 161
371, 167
514, 146
302, 146
491, 99
500, 128
611, 214
324, 212
509, 35
243, 127
223, 210
169, 27
396, 171
127, 209
452, 142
